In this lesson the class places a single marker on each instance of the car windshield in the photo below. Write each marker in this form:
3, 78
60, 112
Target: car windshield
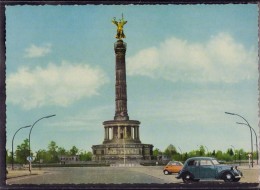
215, 162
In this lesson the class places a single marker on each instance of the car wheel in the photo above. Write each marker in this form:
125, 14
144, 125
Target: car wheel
166, 172
228, 177
187, 178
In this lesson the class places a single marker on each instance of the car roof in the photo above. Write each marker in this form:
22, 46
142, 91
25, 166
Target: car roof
200, 158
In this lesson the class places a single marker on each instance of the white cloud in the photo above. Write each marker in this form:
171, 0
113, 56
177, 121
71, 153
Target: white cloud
37, 51
186, 108
85, 120
59, 85
220, 59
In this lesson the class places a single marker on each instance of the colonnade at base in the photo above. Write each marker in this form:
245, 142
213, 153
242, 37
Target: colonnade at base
121, 132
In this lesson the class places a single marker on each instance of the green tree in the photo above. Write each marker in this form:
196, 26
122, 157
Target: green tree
213, 153
219, 155
52, 147
244, 155
53, 151
185, 157
43, 155
8, 157
226, 157
62, 151
193, 153
85, 156
22, 152
74, 151
156, 153
241, 154
230, 152
170, 151
177, 156
202, 150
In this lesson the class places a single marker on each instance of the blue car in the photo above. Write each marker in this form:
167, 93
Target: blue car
197, 168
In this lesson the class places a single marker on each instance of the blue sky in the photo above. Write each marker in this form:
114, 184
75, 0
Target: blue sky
186, 65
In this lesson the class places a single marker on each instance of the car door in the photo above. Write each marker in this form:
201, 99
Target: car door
173, 167
178, 167
193, 167
169, 167
207, 169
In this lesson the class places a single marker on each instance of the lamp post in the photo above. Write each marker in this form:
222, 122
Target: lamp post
198, 151
207, 150
250, 131
30, 136
13, 144
255, 140
234, 152
239, 157
124, 149
181, 152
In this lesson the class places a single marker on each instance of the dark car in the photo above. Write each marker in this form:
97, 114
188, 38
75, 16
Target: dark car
197, 168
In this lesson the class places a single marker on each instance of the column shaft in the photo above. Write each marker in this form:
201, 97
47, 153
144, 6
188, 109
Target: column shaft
107, 133
111, 132
120, 86
118, 132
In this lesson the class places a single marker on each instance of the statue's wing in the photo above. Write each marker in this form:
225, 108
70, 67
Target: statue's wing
115, 22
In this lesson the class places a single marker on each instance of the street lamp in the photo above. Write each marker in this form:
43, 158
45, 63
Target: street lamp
181, 152
124, 149
30, 136
255, 140
199, 152
249, 128
207, 150
13, 144
234, 152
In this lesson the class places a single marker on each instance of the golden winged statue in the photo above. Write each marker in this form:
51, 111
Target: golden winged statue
120, 26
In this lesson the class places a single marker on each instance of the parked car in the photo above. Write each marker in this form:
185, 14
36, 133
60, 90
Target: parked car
197, 168
172, 167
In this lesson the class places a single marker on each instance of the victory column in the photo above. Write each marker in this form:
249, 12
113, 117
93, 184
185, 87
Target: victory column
122, 138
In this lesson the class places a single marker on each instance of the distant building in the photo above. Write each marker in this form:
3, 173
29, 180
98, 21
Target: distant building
69, 159
163, 157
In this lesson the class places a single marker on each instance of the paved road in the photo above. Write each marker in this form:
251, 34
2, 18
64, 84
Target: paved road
111, 175
79, 175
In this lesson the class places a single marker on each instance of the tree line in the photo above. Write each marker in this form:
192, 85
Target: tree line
51, 155
54, 152
230, 155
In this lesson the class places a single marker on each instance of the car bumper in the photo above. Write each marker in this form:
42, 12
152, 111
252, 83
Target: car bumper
178, 176
238, 174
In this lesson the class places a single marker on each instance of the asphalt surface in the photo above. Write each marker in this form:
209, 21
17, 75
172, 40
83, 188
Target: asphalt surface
79, 175
132, 176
